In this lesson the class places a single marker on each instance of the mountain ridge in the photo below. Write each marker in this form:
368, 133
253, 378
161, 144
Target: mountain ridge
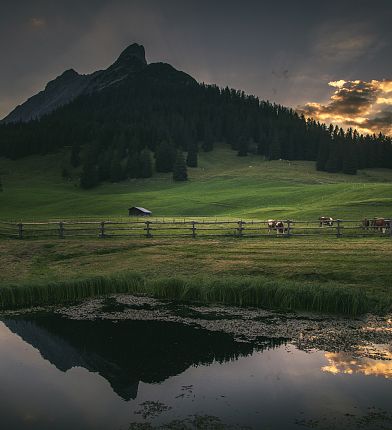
70, 84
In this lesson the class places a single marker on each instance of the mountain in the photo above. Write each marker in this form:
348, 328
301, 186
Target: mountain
127, 352
58, 92
71, 84
133, 117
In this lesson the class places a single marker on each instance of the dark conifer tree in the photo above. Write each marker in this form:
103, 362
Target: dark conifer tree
350, 164
89, 175
208, 139
180, 171
242, 147
165, 156
75, 155
64, 174
274, 150
191, 159
145, 164
132, 165
323, 153
332, 164
104, 164
116, 169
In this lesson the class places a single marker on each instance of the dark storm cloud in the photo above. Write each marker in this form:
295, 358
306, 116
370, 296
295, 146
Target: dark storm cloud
283, 51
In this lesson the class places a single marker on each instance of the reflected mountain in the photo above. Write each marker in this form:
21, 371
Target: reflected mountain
126, 352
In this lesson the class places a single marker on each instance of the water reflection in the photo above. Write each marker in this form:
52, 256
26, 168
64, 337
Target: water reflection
128, 352
341, 362
103, 375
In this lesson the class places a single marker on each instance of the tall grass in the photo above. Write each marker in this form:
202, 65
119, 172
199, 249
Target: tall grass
255, 292
41, 294
261, 292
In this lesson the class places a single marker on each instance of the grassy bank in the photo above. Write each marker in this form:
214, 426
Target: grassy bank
255, 292
347, 276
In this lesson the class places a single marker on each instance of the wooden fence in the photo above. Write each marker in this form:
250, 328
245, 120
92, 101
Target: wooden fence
188, 228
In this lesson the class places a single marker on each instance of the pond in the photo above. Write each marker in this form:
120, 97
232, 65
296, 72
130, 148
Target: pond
65, 369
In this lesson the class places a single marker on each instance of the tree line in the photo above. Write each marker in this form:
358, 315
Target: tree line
149, 123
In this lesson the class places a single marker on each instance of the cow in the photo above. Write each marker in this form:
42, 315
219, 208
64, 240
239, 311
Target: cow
380, 224
326, 221
366, 223
276, 225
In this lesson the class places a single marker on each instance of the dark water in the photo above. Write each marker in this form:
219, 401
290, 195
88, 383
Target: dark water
66, 374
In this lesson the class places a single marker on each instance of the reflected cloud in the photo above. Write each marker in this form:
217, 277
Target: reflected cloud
344, 363
364, 105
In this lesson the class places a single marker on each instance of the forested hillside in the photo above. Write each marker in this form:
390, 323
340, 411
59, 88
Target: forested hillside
151, 117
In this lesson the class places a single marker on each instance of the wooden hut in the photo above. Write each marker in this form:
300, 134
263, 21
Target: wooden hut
138, 211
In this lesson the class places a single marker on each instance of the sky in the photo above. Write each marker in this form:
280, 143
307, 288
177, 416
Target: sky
328, 59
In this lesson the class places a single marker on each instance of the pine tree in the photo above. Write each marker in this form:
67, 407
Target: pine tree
191, 159
145, 164
242, 147
323, 153
89, 176
132, 166
165, 156
116, 170
104, 165
332, 164
208, 139
350, 163
274, 150
180, 170
65, 173
75, 155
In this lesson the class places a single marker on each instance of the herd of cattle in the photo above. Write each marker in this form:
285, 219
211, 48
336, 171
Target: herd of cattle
375, 224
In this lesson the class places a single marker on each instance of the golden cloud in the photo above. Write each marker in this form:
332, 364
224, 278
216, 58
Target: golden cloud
364, 105
343, 363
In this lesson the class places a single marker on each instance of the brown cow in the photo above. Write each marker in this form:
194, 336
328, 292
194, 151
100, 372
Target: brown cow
380, 224
276, 225
326, 220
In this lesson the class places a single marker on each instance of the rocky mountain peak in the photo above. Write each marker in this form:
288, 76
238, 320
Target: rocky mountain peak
134, 53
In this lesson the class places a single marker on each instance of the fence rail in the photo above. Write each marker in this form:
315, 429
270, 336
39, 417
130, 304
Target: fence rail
194, 228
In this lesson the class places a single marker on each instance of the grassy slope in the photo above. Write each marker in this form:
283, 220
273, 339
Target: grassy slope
223, 185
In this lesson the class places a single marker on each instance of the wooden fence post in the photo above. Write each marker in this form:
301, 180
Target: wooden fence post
288, 228
20, 230
61, 230
240, 228
193, 229
148, 231
102, 230
338, 228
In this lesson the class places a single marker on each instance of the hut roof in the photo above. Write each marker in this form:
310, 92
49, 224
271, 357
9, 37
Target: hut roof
144, 210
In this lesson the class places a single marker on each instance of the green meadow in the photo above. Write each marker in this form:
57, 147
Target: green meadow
223, 185
346, 275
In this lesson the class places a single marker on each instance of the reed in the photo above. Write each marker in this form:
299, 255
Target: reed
41, 294
261, 292
238, 291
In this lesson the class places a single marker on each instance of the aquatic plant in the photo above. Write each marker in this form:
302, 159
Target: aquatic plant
231, 290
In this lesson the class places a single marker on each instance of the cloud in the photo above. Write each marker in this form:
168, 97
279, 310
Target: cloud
365, 105
37, 22
345, 363
341, 42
